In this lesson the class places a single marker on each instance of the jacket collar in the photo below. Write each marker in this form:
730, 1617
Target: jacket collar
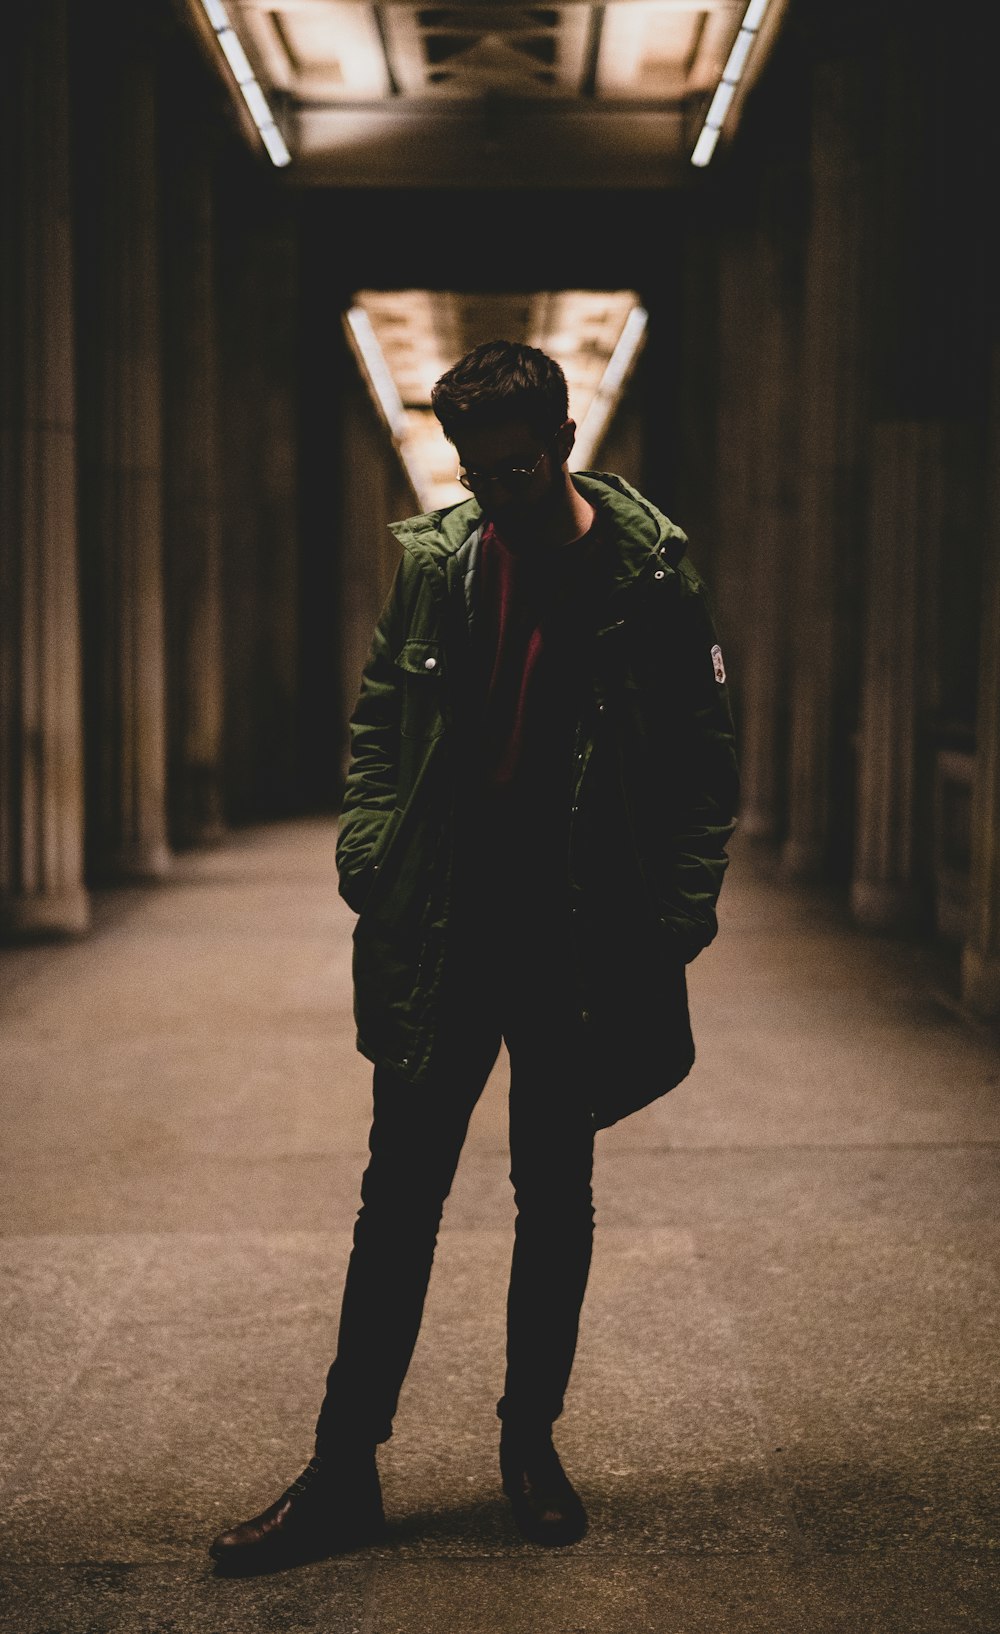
641, 538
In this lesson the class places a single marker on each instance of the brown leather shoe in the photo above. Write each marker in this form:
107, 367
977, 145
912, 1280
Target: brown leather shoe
546, 1506
331, 1508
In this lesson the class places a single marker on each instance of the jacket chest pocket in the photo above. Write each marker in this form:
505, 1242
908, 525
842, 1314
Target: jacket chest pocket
619, 669
419, 667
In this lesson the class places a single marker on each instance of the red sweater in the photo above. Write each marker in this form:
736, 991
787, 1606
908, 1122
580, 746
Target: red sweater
528, 648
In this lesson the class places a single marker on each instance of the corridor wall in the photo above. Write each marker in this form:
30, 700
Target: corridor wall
149, 539
838, 319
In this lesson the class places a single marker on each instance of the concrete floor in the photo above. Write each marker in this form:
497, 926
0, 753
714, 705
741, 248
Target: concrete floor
785, 1409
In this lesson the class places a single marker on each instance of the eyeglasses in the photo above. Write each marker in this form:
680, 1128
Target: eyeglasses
515, 478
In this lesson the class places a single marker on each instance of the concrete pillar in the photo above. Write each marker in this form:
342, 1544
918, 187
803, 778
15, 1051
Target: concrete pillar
832, 453
925, 519
260, 341
981, 954
696, 503
736, 449
192, 567
324, 372
120, 442
41, 726
773, 410
907, 520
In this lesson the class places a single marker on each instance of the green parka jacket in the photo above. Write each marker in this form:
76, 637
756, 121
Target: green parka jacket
653, 797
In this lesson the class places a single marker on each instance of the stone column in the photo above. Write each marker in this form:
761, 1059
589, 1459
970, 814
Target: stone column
735, 452
196, 678
41, 726
907, 517
696, 504
832, 455
773, 407
260, 341
120, 443
981, 955
925, 519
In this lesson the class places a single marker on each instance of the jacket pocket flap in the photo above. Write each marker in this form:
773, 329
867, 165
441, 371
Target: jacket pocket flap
420, 657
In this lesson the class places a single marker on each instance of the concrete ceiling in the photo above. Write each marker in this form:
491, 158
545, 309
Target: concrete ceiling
490, 97
575, 94
594, 336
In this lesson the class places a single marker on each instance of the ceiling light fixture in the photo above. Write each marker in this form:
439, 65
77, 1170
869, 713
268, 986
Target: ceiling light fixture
383, 388
608, 393
726, 88
253, 96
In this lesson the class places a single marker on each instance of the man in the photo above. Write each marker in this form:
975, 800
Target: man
533, 833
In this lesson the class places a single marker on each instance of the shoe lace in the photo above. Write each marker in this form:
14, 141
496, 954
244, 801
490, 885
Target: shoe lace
310, 1474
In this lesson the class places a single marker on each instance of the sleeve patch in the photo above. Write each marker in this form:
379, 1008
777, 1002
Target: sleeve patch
718, 665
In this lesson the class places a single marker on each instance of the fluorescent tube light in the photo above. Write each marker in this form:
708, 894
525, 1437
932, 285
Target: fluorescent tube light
377, 370
235, 56
705, 146
720, 105
738, 56
256, 101
726, 88
620, 360
243, 74
273, 140
605, 398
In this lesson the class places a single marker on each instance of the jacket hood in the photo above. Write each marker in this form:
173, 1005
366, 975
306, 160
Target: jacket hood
640, 534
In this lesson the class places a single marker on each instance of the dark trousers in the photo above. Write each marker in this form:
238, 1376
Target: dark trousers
512, 981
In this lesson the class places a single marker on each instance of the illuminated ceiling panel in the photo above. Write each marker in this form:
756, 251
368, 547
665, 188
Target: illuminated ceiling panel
647, 50
421, 334
573, 94
318, 49
462, 51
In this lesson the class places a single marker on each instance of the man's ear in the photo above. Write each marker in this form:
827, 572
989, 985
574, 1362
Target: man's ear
565, 439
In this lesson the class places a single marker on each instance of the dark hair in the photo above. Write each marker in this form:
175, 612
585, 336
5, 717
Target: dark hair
500, 381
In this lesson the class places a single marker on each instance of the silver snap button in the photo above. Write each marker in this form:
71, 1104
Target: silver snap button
657, 575
431, 663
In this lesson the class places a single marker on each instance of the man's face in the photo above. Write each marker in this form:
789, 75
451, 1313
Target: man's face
493, 457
